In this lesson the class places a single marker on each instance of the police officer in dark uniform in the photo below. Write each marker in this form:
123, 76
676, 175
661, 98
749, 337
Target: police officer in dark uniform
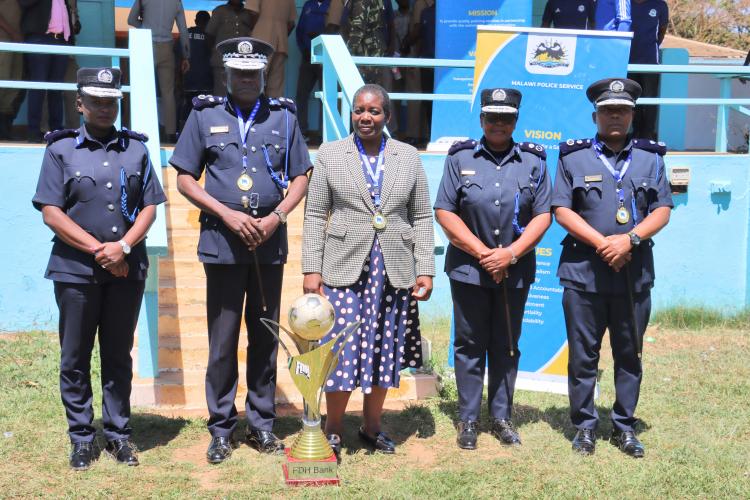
494, 205
98, 193
612, 196
252, 151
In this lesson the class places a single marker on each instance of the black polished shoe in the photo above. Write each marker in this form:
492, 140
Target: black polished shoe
219, 450
380, 442
124, 451
81, 456
504, 431
628, 443
265, 441
467, 435
584, 441
334, 441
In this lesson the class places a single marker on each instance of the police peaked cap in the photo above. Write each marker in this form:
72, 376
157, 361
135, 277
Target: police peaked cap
245, 53
614, 92
501, 101
99, 82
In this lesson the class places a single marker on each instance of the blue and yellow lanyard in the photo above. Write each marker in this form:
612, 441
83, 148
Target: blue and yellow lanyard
373, 171
618, 176
244, 128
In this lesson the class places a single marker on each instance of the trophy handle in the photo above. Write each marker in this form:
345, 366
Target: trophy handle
270, 324
346, 333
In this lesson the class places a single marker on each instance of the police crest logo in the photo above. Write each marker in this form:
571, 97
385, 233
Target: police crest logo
617, 86
498, 95
104, 76
245, 47
550, 56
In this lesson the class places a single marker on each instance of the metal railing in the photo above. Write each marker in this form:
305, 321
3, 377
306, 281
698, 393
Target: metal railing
340, 71
143, 117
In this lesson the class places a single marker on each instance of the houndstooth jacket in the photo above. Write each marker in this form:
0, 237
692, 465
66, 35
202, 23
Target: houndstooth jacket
338, 234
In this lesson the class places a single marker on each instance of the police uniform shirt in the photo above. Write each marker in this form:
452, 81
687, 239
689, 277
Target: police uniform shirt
81, 176
211, 141
584, 185
648, 17
483, 193
569, 14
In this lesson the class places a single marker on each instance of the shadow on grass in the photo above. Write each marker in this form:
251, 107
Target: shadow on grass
557, 417
151, 431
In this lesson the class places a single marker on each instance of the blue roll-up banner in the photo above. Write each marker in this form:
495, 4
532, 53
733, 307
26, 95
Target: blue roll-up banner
455, 38
552, 69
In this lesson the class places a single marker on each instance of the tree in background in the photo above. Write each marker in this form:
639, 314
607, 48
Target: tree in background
720, 22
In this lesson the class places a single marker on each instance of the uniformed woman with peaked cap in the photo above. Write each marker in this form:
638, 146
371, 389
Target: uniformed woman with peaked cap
98, 193
493, 204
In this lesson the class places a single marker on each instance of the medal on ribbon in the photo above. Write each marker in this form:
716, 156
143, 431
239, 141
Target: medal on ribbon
379, 221
622, 216
245, 182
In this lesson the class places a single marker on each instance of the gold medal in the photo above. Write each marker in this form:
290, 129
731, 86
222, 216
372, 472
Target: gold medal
245, 182
623, 216
379, 221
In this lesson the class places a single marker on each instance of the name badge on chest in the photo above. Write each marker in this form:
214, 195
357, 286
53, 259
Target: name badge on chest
219, 129
593, 178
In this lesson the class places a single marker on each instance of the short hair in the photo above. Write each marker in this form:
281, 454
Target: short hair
374, 88
202, 16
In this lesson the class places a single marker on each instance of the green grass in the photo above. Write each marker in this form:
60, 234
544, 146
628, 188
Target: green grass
698, 318
694, 411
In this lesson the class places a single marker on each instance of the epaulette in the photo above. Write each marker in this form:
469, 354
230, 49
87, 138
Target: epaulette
654, 147
574, 145
138, 136
461, 145
56, 135
533, 148
206, 101
283, 102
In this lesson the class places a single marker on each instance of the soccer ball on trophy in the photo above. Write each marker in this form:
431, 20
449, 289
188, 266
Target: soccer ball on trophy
311, 316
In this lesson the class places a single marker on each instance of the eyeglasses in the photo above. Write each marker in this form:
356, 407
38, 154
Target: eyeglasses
494, 118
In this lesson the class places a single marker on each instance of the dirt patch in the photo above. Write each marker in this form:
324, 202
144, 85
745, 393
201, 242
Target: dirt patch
421, 454
666, 341
195, 453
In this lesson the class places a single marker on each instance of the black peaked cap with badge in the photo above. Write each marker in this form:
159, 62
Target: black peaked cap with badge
245, 53
614, 92
501, 101
99, 82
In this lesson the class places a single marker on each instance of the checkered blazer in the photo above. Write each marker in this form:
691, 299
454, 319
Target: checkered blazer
338, 235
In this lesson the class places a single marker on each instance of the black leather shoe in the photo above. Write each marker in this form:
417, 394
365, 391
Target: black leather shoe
504, 431
628, 443
123, 451
265, 441
584, 441
334, 441
81, 456
380, 442
219, 450
467, 435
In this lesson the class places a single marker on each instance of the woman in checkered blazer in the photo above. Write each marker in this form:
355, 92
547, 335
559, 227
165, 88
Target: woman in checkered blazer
368, 247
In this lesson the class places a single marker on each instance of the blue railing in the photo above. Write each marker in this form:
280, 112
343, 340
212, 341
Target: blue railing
143, 117
340, 71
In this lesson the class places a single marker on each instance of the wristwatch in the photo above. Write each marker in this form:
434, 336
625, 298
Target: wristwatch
125, 247
281, 215
513, 258
635, 240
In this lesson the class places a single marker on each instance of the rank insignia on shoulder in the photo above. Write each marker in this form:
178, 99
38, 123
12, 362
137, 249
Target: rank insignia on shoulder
206, 101
138, 136
283, 102
533, 148
572, 145
652, 146
56, 135
461, 145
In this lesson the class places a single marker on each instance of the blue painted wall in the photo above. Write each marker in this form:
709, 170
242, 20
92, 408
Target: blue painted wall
702, 257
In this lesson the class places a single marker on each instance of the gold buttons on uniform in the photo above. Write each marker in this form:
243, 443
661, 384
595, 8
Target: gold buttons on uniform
109, 185
497, 203
114, 229
78, 174
111, 207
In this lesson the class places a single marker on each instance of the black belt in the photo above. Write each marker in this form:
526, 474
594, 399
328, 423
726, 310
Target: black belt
56, 36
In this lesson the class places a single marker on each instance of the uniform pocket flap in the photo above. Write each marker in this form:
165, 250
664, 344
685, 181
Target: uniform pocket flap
220, 141
644, 183
77, 173
588, 182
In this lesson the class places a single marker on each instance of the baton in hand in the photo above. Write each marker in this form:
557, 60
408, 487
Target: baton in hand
248, 204
634, 325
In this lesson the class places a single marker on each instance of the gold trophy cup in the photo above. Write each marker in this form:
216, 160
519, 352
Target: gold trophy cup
310, 460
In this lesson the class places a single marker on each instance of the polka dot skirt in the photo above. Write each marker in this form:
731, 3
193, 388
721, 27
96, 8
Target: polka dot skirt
388, 339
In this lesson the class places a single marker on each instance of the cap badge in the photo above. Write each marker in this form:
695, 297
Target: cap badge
244, 47
617, 86
104, 76
498, 95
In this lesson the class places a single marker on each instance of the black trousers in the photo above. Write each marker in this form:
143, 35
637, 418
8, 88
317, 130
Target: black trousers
45, 68
481, 338
645, 119
112, 309
309, 75
228, 286
587, 316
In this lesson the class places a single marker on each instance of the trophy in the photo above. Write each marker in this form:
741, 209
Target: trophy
310, 460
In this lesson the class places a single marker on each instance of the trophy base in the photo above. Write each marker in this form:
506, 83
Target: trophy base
310, 472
